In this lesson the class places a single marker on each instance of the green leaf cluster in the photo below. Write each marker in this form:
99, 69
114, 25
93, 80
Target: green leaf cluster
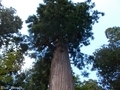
10, 24
10, 64
113, 34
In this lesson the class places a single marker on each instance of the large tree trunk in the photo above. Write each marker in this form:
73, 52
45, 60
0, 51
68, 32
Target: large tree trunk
61, 74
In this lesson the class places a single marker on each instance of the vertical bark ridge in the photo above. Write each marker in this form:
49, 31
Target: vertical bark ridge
61, 74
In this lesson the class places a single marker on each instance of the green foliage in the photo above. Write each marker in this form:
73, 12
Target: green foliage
10, 24
9, 20
36, 78
65, 22
91, 85
24, 80
86, 85
11, 45
107, 60
10, 64
77, 82
113, 34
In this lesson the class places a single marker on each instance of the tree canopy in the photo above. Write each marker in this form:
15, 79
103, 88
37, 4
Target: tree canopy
10, 24
60, 22
11, 41
107, 60
113, 34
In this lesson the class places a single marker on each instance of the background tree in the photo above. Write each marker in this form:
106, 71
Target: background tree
10, 64
11, 45
10, 24
107, 60
90, 85
36, 78
62, 27
113, 34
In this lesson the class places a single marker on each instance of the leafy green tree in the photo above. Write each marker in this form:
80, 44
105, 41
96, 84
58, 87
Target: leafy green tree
86, 85
10, 64
11, 45
113, 34
90, 85
61, 27
10, 24
107, 60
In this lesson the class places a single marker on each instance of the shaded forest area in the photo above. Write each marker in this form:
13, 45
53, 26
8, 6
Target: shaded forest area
56, 35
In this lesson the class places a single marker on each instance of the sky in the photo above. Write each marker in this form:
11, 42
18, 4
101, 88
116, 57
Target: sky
109, 7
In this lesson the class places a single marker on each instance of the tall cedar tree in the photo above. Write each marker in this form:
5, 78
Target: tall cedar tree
62, 27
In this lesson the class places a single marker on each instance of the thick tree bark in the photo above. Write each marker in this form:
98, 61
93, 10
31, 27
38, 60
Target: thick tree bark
61, 74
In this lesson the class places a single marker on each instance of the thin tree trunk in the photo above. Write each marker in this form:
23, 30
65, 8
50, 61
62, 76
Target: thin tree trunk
61, 74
